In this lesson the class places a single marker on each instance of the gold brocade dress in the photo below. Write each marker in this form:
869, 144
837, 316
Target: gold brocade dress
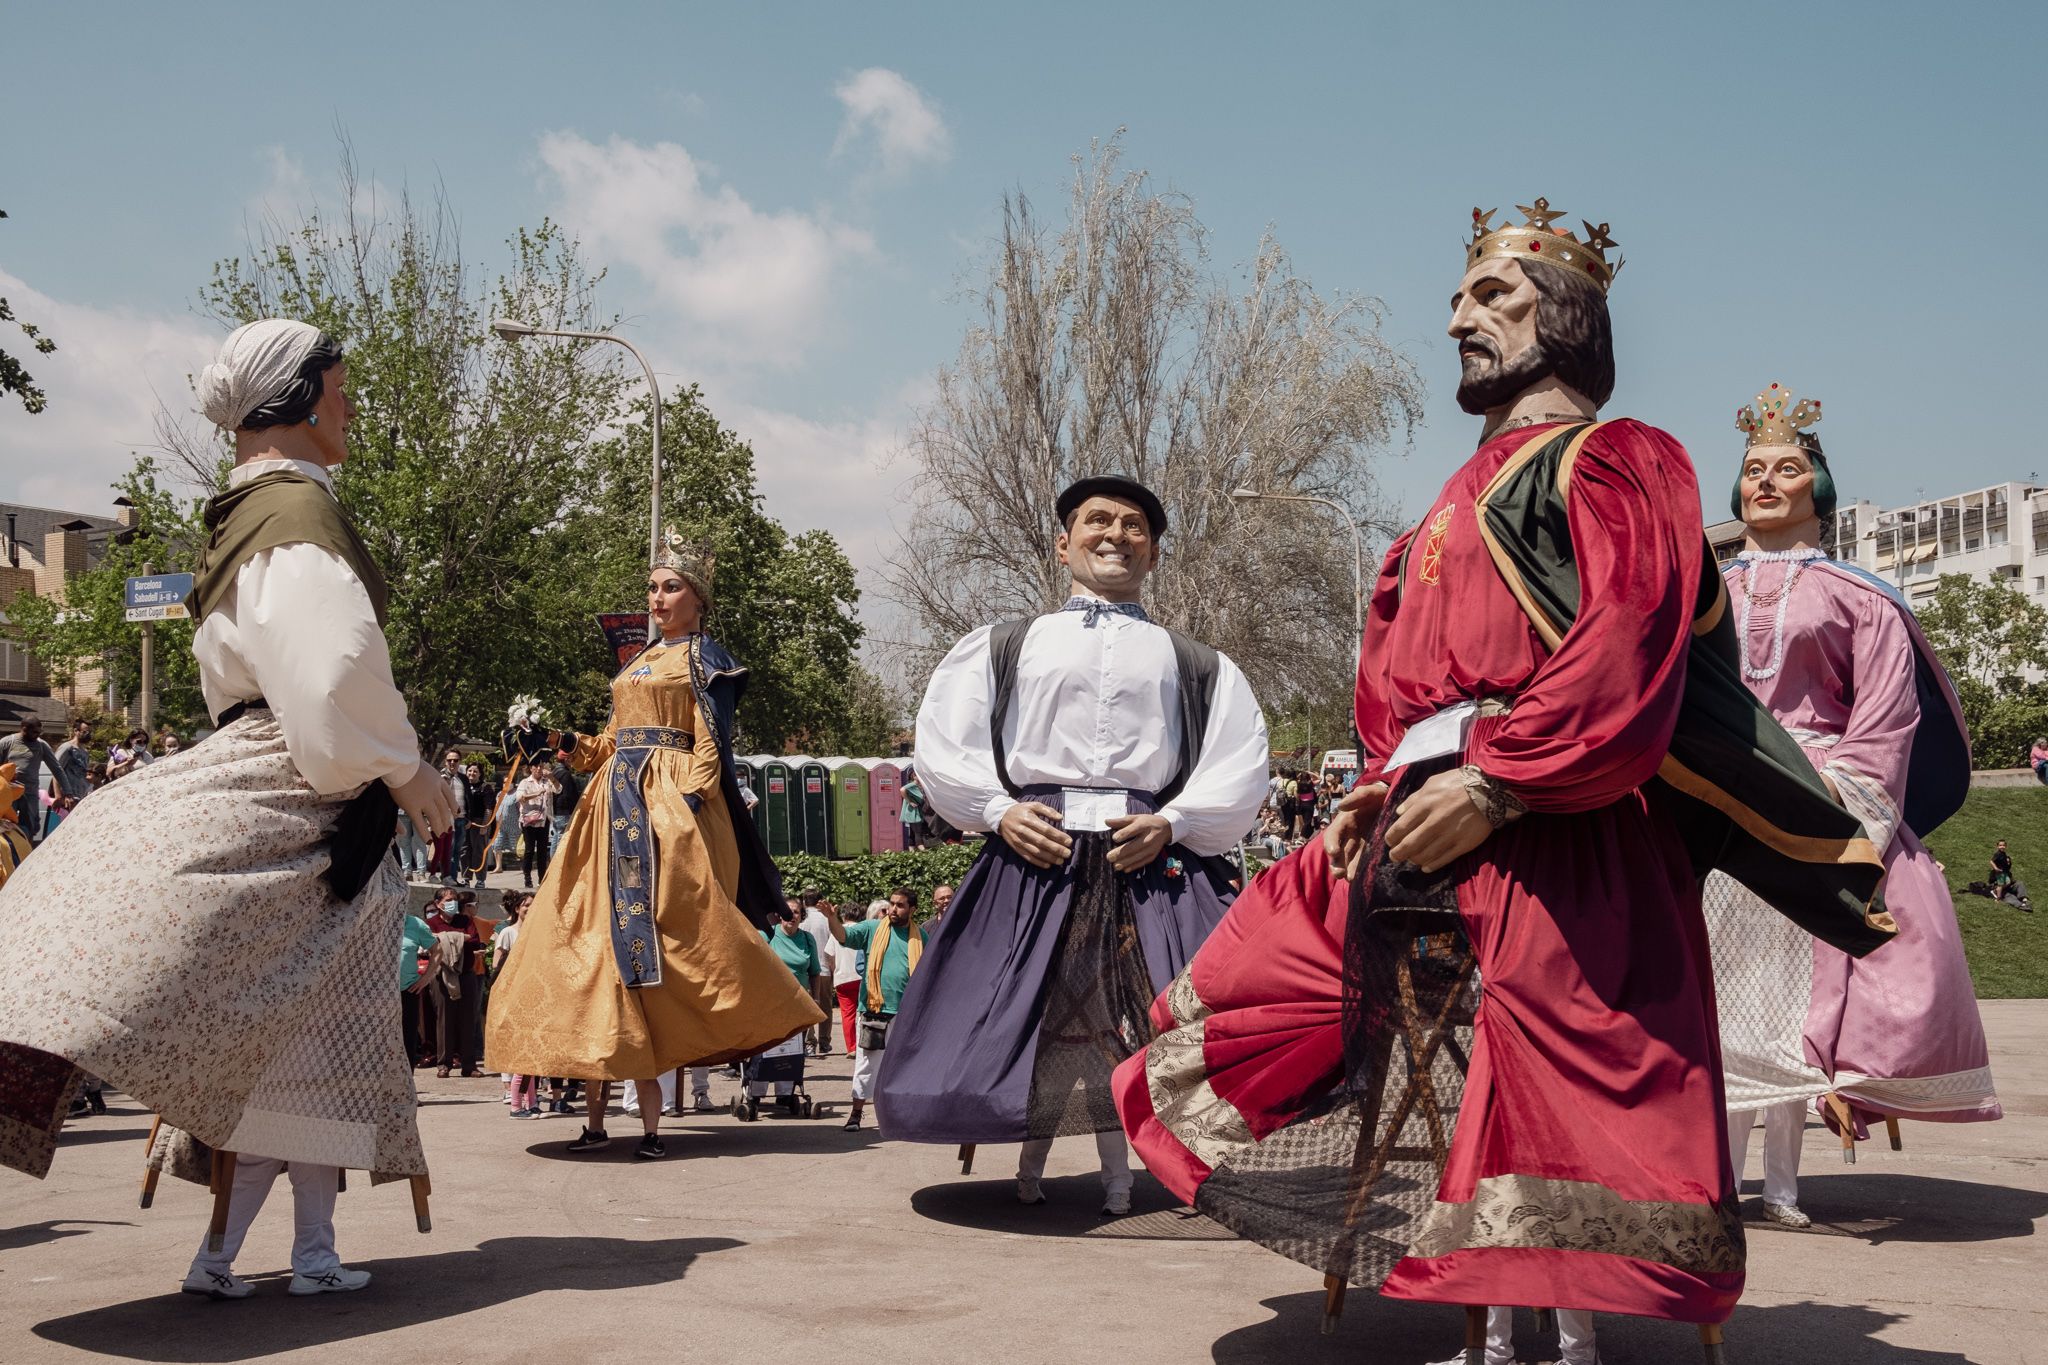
560, 1007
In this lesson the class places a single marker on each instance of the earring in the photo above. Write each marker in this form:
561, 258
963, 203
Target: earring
312, 419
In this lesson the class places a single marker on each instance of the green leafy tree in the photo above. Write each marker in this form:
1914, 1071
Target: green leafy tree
87, 627
14, 377
1994, 644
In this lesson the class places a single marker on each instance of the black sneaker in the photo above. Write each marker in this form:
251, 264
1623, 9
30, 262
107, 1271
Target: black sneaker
593, 1139
650, 1148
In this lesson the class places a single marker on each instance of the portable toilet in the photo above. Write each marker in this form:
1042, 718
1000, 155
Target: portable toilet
885, 805
748, 770
781, 823
849, 831
811, 806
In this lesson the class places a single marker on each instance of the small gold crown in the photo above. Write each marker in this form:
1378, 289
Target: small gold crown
1767, 423
1536, 240
695, 562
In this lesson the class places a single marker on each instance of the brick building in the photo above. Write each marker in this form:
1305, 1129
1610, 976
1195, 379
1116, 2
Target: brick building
41, 549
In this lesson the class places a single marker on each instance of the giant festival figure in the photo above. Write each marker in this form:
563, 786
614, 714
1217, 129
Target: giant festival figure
1465, 1051
1112, 760
254, 1014
1838, 658
643, 950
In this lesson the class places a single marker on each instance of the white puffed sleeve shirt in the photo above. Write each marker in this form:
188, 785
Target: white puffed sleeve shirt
297, 629
1096, 706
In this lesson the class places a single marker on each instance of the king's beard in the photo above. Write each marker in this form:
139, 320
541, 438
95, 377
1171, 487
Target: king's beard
1486, 382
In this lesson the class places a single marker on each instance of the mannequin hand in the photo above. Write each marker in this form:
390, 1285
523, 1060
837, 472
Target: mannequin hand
1350, 829
1437, 824
424, 798
1034, 831
1138, 841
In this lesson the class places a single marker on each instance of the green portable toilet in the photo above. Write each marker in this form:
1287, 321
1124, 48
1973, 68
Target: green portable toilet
748, 770
849, 807
810, 806
780, 825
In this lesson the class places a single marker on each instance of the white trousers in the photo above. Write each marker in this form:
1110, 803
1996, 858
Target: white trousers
1110, 1149
1574, 1337
700, 1080
866, 1067
313, 1192
1784, 1129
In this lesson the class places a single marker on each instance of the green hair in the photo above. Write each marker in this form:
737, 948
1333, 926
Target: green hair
1823, 482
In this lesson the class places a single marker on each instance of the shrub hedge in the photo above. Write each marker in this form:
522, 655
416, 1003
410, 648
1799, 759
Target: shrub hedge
873, 876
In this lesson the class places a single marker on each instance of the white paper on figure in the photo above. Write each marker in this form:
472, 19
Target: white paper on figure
1443, 733
1094, 810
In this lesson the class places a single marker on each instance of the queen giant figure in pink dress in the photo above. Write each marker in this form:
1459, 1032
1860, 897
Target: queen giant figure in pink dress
1835, 655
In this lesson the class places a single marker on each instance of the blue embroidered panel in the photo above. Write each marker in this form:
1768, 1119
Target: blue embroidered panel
634, 942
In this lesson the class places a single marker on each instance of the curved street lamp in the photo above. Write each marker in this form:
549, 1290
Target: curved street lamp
1357, 543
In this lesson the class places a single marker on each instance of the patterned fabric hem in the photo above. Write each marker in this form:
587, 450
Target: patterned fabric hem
1958, 1091
1572, 1215
1176, 1073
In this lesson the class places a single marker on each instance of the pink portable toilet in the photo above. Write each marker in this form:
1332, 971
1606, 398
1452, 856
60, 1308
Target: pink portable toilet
885, 802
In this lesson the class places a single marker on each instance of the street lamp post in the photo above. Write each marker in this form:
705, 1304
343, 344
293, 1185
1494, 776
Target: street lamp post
512, 331
1357, 543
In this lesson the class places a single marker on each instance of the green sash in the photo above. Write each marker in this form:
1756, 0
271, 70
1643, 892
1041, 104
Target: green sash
1749, 802
281, 508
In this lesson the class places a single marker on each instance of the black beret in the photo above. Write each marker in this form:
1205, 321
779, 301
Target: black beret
1113, 486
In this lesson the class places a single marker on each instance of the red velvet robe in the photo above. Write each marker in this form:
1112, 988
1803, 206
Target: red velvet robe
1588, 1168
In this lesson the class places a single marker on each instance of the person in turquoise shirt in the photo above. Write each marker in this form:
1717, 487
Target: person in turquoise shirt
900, 950
413, 939
797, 949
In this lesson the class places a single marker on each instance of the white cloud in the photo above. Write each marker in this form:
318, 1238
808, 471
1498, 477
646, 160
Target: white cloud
104, 382
906, 128
832, 475
745, 285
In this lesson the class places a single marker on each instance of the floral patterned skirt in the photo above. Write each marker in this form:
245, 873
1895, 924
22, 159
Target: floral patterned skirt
174, 938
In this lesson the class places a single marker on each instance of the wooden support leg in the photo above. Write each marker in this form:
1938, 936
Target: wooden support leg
222, 1185
1891, 1130
149, 1172
1543, 1318
1333, 1303
1710, 1342
1839, 1107
1475, 1336
421, 1188
967, 1158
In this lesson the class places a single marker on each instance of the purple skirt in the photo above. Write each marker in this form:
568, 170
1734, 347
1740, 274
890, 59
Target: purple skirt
1032, 990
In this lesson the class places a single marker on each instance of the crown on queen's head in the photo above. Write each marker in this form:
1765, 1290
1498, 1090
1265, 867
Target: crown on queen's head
1774, 420
1536, 240
694, 561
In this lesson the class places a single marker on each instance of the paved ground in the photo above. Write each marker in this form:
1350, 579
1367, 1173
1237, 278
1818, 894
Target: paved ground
791, 1240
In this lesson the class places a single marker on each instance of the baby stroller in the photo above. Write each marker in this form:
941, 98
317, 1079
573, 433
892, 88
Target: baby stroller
781, 1065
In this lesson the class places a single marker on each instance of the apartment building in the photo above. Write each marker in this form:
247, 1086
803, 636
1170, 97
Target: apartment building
1996, 534
41, 549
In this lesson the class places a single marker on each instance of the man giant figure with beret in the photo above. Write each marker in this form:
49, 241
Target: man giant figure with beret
1112, 760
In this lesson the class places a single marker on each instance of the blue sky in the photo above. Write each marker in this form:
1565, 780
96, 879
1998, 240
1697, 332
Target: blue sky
1841, 197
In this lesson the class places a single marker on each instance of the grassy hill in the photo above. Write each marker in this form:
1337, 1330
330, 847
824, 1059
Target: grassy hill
2008, 950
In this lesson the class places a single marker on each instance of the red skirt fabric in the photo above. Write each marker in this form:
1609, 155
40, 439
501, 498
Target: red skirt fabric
1587, 1163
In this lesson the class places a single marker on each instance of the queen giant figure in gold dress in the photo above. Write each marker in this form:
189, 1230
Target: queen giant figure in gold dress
643, 950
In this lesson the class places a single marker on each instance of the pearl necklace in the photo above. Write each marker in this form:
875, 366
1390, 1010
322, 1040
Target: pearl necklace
1781, 596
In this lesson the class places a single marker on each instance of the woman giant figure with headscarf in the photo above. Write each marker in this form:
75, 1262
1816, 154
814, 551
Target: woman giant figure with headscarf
643, 949
242, 984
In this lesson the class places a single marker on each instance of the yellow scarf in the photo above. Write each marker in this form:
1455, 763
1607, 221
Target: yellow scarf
878, 952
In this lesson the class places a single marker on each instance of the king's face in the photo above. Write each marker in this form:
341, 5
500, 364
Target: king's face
1493, 316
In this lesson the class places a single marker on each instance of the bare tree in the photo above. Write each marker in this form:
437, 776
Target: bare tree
1112, 346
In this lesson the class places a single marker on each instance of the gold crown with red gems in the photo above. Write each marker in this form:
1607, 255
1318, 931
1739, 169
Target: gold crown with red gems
1767, 423
1536, 240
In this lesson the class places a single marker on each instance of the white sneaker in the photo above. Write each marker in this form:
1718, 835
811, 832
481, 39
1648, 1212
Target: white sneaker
339, 1280
1028, 1191
1116, 1203
1786, 1215
217, 1284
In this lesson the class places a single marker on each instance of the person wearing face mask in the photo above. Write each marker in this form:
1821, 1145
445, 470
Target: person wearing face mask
1838, 658
1113, 761
643, 949
256, 1018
